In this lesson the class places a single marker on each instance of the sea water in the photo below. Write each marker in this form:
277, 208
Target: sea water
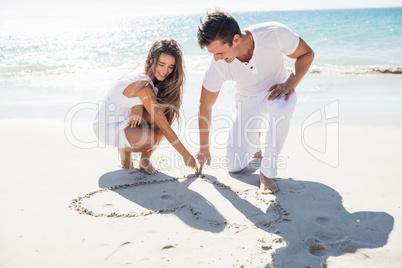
49, 66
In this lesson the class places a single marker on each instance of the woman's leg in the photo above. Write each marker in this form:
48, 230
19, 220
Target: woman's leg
126, 158
146, 164
144, 139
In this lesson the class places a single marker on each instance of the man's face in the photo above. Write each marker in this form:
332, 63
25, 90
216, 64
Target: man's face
223, 51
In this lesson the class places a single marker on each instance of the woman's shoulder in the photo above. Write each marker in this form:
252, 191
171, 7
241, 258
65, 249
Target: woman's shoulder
136, 77
137, 83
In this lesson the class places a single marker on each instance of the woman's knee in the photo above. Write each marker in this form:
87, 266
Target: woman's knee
154, 139
147, 118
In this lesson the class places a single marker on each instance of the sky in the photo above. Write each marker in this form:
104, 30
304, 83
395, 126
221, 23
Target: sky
115, 8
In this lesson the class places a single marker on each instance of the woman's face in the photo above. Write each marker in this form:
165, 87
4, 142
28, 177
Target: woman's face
164, 66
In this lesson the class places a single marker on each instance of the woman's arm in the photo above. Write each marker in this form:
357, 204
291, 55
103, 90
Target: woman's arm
148, 98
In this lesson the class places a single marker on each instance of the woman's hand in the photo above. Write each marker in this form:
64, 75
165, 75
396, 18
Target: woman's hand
190, 161
136, 116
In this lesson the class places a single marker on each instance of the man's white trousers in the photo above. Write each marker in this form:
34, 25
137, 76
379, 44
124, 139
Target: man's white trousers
259, 115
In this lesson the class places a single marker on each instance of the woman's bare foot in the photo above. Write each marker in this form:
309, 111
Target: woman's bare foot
145, 163
267, 185
257, 154
126, 158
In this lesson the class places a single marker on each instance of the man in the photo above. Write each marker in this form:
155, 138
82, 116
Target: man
253, 58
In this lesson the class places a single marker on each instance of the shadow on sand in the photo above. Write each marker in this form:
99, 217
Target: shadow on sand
318, 227
167, 195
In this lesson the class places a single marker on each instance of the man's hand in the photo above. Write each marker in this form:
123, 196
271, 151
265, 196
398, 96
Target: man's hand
203, 157
304, 56
136, 115
280, 90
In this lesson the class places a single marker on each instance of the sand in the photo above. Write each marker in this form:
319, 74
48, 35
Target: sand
64, 206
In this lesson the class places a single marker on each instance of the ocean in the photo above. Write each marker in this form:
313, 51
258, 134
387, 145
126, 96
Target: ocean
48, 66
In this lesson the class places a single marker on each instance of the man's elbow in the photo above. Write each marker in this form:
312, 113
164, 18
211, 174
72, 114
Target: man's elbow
307, 57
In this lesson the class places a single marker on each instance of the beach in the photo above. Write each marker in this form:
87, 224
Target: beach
65, 201
344, 216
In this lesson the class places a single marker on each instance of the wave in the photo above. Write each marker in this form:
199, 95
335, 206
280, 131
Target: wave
195, 65
355, 69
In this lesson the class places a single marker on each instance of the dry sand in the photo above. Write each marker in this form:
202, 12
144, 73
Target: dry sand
345, 216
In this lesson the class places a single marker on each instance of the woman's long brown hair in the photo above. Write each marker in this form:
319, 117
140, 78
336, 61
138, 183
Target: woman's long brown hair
170, 93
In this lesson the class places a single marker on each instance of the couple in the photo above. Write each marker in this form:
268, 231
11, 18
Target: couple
139, 110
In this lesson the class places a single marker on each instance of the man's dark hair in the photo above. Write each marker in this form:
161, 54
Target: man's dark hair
218, 25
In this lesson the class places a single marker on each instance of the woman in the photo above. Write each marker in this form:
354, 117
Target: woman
152, 101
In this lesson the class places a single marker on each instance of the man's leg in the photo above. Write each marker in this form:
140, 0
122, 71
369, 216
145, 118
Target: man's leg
244, 139
280, 112
259, 153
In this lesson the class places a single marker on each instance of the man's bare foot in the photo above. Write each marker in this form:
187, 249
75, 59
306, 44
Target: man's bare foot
126, 158
257, 154
145, 163
267, 185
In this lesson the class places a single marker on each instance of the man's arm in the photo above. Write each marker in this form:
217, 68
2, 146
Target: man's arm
304, 56
207, 101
